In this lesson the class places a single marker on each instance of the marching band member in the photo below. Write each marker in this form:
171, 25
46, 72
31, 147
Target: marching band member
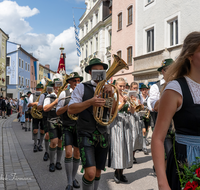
92, 137
36, 122
54, 124
69, 132
121, 145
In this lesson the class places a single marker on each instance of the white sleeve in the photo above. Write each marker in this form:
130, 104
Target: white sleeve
77, 94
61, 100
174, 85
30, 100
41, 100
47, 101
154, 95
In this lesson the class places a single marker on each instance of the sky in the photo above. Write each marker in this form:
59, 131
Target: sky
42, 26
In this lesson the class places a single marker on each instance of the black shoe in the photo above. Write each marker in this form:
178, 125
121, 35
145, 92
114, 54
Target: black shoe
123, 179
52, 167
35, 148
40, 148
145, 151
69, 187
25, 129
116, 178
76, 184
134, 160
29, 129
58, 166
46, 156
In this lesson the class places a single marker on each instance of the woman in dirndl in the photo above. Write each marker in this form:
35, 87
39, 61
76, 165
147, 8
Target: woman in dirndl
180, 100
121, 145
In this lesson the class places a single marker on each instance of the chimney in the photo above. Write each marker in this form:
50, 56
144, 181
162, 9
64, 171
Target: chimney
47, 66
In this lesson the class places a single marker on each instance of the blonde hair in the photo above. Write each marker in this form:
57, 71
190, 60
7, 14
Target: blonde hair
120, 80
133, 83
182, 66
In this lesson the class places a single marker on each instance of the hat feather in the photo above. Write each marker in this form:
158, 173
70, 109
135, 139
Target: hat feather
146, 82
57, 75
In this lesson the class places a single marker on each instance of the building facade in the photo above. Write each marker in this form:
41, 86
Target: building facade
33, 73
123, 35
95, 33
161, 27
3, 47
18, 70
45, 72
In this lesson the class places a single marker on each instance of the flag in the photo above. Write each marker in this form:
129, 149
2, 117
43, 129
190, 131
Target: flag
77, 40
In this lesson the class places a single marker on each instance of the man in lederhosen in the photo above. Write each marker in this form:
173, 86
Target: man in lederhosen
69, 132
54, 125
36, 122
154, 98
92, 137
45, 125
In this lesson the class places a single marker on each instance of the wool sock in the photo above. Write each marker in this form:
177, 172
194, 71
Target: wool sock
41, 138
69, 169
35, 138
52, 152
29, 124
87, 185
76, 163
46, 143
144, 142
96, 182
59, 154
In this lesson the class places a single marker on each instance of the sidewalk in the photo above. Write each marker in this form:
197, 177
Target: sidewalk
17, 156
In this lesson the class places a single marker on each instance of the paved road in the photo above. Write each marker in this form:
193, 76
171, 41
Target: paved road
26, 170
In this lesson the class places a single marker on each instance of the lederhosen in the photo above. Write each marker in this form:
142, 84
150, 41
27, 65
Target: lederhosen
45, 114
54, 124
92, 137
146, 121
37, 122
28, 113
68, 126
187, 122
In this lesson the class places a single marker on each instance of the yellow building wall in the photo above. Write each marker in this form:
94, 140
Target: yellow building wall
41, 74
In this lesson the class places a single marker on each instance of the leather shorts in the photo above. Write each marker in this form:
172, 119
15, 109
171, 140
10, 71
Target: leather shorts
37, 123
69, 136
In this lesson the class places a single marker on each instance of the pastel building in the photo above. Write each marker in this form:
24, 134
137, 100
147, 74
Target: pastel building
18, 70
3, 61
123, 35
33, 74
95, 33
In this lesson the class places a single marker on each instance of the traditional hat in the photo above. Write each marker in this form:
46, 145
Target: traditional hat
50, 84
165, 63
74, 75
23, 95
95, 61
143, 86
114, 82
39, 85
29, 92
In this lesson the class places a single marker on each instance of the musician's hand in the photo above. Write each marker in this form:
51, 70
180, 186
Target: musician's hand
97, 101
56, 101
124, 99
108, 89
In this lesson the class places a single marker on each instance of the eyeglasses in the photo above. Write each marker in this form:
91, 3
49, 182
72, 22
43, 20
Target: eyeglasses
75, 80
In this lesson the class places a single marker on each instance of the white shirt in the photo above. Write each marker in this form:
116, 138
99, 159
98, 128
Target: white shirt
193, 86
41, 100
30, 100
61, 99
154, 93
77, 94
47, 100
21, 102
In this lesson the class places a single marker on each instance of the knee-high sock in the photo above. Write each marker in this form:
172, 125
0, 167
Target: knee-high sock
35, 138
87, 185
52, 152
46, 143
26, 124
76, 163
69, 169
41, 138
29, 124
96, 182
59, 154
144, 142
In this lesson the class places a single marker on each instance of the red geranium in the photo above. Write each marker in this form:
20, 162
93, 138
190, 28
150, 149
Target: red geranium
191, 186
197, 172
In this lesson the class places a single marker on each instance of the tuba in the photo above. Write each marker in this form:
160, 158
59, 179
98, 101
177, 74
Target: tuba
100, 112
36, 114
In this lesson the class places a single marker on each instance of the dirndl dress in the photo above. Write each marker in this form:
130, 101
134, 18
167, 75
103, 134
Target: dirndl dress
121, 142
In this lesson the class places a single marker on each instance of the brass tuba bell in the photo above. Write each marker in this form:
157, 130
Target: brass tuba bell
105, 115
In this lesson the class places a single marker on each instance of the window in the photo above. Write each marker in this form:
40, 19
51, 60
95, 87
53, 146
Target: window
129, 55
26, 66
22, 81
91, 23
173, 32
7, 80
91, 48
8, 61
26, 82
130, 15
19, 62
32, 69
31, 84
97, 43
19, 82
86, 51
96, 18
22, 64
150, 40
119, 53
86, 28
110, 37
120, 21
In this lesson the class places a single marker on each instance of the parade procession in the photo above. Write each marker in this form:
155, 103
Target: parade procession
113, 104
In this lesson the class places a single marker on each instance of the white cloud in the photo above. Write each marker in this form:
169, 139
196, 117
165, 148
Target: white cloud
45, 47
